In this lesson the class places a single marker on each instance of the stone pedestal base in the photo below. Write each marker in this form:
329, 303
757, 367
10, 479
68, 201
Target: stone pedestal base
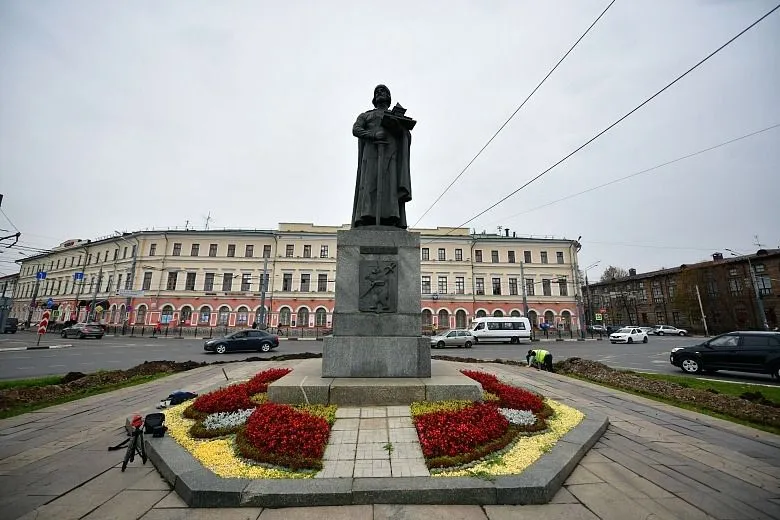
376, 356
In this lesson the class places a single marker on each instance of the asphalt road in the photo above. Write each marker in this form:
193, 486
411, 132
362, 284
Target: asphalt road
89, 355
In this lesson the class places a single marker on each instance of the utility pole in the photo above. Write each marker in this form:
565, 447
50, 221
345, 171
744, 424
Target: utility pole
701, 309
522, 284
590, 299
78, 293
263, 289
34, 295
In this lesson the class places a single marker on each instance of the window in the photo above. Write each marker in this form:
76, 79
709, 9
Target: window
546, 289
129, 281
89, 259
426, 285
166, 316
426, 253
242, 316
676, 317
444, 322
189, 284
305, 282
442, 285
249, 251
224, 314
307, 251
480, 285
322, 282
725, 341
527, 257
264, 282
204, 316
171, 286
660, 317
287, 282
124, 253
559, 257
563, 287
303, 317
320, 317
460, 285
755, 341
140, 315
147, 283
478, 255
764, 284
195, 250
494, 257
672, 288
118, 282
267, 251
543, 256
109, 285
529, 287
284, 316
177, 249
459, 255
80, 258
227, 282
231, 252
212, 249
658, 295
442, 254
511, 257
289, 250
116, 255
513, 286
323, 253
208, 283
496, 286
735, 286
246, 282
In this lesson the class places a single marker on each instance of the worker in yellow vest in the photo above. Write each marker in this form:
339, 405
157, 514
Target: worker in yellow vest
539, 358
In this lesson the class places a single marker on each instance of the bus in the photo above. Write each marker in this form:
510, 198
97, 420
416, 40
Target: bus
505, 330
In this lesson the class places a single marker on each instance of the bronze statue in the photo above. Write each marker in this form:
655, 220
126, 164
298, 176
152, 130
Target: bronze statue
383, 185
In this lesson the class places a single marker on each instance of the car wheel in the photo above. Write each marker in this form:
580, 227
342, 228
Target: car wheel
630, 340
644, 340
690, 366
612, 342
221, 349
82, 336
468, 344
440, 344
63, 335
682, 333
99, 337
265, 347
476, 340
660, 333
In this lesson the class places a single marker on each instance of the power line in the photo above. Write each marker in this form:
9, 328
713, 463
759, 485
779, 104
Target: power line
648, 170
9, 220
513, 114
602, 132
650, 246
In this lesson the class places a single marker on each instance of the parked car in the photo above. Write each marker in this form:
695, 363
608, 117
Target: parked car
628, 335
614, 328
453, 338
11, 326
661, 330
647, 330
597, 329
83, 330
258, 340
753, 351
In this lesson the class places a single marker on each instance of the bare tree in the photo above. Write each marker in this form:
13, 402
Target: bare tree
614, 273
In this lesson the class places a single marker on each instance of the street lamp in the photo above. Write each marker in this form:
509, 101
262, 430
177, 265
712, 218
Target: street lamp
587, 289
759, 303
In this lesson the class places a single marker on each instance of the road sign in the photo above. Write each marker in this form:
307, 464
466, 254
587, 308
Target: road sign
78, 276
130, 293
41, 275
50, 303
43, 324
598, 317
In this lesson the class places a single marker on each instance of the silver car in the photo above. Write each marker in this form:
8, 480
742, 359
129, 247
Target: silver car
453, 338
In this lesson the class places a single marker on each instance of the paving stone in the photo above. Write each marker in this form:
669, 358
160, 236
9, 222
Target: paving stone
345, 412
368, 412
609, 503
423, 512
343, 437
674, 508
406, 450
564, 496
409, 468
399, 411
545, 512
402, 435
336, 469
376, 423
369, 436
14, 506
153, 481
172, 499
711, 503
127, 505
346, 424
581, 475
235, 513
345, 451
631, 484
399, 422
372, 450
364, 512
372, 468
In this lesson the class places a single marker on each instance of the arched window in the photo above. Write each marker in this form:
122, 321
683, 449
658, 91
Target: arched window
167, 314
259, 316
549, 317
481, 314
427, 318
205, 315
186, 315
566, 317
140, 315
222, 317
320, 317
242, 317
303, 317
533, 318
123, 313
460, 319
284, 316
515, 313
444, 319
113, 314
498, 313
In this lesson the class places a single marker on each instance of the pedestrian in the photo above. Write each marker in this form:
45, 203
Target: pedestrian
157, 328
254, 325
539, 358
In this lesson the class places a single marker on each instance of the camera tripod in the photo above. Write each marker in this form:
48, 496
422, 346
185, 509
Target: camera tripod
136, 446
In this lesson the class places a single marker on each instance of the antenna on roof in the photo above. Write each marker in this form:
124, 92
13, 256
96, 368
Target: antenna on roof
758, 243
208, 219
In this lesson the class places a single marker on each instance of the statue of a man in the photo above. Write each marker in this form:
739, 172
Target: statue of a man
383, 183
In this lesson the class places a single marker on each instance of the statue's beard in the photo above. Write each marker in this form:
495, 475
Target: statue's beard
382, 100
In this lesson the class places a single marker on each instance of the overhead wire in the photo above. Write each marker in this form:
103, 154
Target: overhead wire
622, 118
513, 114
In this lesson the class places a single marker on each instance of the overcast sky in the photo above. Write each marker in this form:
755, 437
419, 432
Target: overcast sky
133, 115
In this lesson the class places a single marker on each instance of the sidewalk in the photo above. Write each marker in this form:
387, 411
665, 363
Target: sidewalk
655, 461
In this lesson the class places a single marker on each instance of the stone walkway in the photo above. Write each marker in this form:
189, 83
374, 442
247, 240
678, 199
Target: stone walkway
654, 462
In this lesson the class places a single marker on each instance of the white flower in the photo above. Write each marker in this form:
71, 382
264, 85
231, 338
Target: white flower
216, 421
518, 417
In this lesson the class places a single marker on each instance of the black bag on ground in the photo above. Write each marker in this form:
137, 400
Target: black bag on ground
155, 424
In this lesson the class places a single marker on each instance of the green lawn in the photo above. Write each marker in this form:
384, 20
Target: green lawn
29, 383
771, 393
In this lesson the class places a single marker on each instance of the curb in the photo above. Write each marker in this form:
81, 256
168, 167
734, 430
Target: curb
199, 487
40, 347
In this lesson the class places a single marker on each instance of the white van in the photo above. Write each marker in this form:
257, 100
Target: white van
491, 328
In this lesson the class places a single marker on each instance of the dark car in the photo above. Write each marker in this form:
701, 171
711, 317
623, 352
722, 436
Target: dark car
11, 325
83, 330
611, 329
751, 351
243, 340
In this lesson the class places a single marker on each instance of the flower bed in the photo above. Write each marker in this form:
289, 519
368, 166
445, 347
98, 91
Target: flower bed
457, 434
234, 432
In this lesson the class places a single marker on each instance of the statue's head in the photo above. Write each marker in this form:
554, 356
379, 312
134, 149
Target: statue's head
381, 96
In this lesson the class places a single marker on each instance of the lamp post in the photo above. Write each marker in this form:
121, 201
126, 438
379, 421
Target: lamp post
587, 290
754, 283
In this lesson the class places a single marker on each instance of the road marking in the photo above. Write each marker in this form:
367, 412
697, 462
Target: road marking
12, 349
53, 366
24, 368
735, 382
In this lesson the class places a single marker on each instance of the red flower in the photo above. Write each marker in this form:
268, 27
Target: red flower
282, 430
236, 397
509, 396
454, 433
